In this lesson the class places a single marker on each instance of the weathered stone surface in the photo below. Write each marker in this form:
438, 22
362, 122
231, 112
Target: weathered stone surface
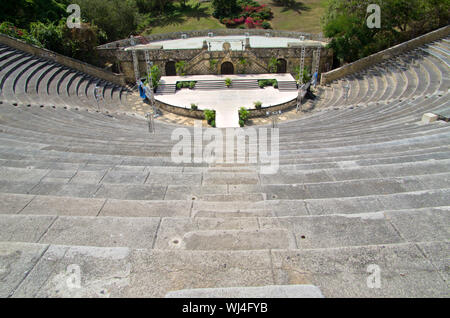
136, 208
343, 272
23, 228
131, 192
437, 253
125, 177
424, 225
75, 272
344, 205
103, 231
13, 203
16, 261
175, 192
220, 234
155, 273
183, 179
93, 177
337, 230
48, 205
62, 189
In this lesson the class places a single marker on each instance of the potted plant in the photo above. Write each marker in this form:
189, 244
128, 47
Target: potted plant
228, 82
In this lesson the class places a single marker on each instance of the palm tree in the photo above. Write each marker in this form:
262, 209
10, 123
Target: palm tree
273, 65
179, 66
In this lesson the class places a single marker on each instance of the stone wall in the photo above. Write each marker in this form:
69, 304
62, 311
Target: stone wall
63, 60
198, 60
383, 55
187, 112
198, 114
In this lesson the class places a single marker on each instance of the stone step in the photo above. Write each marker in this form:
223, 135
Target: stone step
304, 232
41, 270
72, 206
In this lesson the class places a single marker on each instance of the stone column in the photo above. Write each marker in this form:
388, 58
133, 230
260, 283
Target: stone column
247, 43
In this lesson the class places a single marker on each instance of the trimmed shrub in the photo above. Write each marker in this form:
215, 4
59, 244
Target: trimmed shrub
228, 82
243, 114
194, 106
210, 115
258, 105
241, 123
268, 82
266, 25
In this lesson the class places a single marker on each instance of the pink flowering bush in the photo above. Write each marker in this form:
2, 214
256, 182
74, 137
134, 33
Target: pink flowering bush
252, 15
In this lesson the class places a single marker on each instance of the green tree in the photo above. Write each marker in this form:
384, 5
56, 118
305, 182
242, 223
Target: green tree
156, 76
180, 68
345, 22
22, 12
118, 18
225, 8
273, 65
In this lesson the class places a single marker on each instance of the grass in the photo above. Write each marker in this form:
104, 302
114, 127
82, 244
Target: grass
196, 16
301, 16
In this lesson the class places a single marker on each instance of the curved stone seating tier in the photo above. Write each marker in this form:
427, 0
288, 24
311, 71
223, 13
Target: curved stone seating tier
30, 80
419, 72
360, 181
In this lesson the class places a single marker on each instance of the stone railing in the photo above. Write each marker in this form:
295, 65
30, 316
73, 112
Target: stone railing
86, 68
383, 55
218, 32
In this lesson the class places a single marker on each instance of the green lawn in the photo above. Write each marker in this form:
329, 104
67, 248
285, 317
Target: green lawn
195, 17
304, 16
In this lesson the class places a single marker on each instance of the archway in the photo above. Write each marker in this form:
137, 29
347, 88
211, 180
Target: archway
227, 68
281, 66
170, 69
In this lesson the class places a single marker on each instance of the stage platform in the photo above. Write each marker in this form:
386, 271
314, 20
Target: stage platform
226, 102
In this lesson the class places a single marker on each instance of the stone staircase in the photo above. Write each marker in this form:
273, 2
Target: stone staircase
210, 84
287, 85
165, 89
244, 84
361, 182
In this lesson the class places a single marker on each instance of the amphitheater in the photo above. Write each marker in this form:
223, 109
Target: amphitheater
363, 183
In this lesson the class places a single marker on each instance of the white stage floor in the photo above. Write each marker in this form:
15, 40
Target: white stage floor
227, 102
